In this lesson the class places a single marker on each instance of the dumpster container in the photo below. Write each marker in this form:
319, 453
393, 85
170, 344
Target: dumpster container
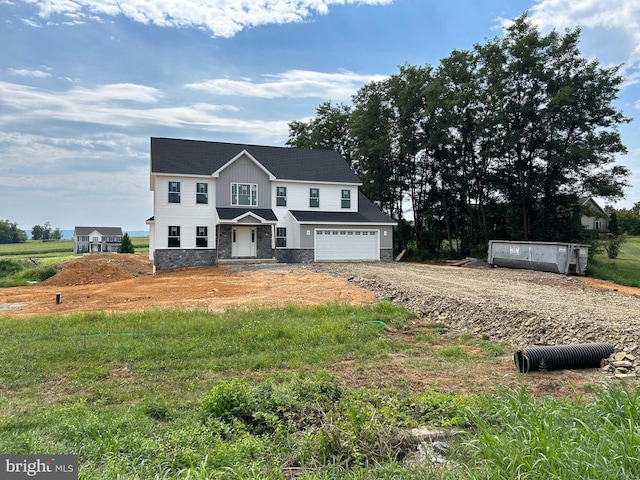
553, 257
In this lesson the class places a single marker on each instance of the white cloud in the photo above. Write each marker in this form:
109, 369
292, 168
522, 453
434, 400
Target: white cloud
223, 18
29, 73
291, 84
610, 28
116, 105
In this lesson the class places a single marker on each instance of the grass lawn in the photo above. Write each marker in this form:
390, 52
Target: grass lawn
249, 395
624, 270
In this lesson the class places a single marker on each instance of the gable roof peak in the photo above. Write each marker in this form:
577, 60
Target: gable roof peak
199, 157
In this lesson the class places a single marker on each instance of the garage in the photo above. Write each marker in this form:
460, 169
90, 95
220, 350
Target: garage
347, 244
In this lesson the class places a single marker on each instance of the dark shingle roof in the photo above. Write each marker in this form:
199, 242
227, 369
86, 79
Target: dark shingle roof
109, 231
195, 157
367, 212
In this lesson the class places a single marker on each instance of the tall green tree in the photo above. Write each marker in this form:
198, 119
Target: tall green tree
10, 233
328, 130
37, 232
497, 142
629, 221
558, 129
375, 153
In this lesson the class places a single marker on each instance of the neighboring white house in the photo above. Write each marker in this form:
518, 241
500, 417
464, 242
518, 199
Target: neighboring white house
217, 201
593, 217
96, 239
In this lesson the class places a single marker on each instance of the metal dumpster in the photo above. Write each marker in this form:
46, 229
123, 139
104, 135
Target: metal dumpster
553, 257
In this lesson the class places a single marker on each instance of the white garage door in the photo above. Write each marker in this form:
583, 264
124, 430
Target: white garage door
347, 245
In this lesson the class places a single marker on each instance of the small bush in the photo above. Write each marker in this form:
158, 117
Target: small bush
230, 401
613, 245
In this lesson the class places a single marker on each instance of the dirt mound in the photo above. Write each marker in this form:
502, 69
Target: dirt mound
104, 268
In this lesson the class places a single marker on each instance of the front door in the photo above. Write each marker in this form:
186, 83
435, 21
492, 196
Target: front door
243, 242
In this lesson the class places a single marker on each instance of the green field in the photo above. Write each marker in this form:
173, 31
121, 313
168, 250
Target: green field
624, 270
34, 261
56, 249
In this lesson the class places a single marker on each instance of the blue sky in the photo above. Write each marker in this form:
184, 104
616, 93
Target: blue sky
84, 84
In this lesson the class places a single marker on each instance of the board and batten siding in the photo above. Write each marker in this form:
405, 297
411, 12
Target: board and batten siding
243, 170
187, 214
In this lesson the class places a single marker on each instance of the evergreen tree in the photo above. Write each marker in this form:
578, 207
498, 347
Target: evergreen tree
126, 246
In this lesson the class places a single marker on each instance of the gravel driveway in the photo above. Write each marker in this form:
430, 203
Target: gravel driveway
521, 307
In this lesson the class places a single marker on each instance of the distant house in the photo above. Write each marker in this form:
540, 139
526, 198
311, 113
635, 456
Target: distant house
96, 239
593, 216
216, 202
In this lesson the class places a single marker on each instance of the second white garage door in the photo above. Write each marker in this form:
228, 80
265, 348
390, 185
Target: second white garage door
347, 245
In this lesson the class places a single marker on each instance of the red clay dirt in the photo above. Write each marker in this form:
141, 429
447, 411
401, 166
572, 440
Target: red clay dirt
125, 282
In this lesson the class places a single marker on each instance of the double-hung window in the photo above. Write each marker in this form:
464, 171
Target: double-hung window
174, 192
201, 236
314, 197
245, 194
174, 236
346, 198
281, 237
281, 196
202, 192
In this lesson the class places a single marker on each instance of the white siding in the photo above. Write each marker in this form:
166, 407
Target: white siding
187, 214
330, 196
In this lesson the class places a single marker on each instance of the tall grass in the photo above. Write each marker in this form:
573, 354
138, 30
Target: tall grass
195, 395
516, 436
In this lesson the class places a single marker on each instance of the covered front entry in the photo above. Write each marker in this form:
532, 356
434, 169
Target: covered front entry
347, 244
243, 242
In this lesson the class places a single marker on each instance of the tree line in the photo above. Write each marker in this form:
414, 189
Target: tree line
10, 233
496, 142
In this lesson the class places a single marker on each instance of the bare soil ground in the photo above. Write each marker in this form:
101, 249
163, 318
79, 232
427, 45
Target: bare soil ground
480, 301
125, 282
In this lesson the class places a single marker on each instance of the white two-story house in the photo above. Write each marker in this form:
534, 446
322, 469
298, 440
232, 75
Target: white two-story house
214, 202
96, 239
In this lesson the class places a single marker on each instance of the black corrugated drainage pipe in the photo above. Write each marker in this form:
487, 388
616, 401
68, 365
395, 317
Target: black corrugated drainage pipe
558, 357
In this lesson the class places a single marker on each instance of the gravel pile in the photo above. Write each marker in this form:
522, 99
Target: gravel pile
522, 307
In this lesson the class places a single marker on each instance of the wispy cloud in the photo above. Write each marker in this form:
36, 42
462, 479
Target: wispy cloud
29, 73
223, 18
291, 84
121, 106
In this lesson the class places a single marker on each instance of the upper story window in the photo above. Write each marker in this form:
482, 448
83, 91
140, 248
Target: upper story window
202, 192
245, 194
314, 197
346, 198
174, 192
281, 196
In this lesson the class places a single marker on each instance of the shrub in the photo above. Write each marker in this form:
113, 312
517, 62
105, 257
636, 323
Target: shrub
613, 245
126, 246
10, 267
